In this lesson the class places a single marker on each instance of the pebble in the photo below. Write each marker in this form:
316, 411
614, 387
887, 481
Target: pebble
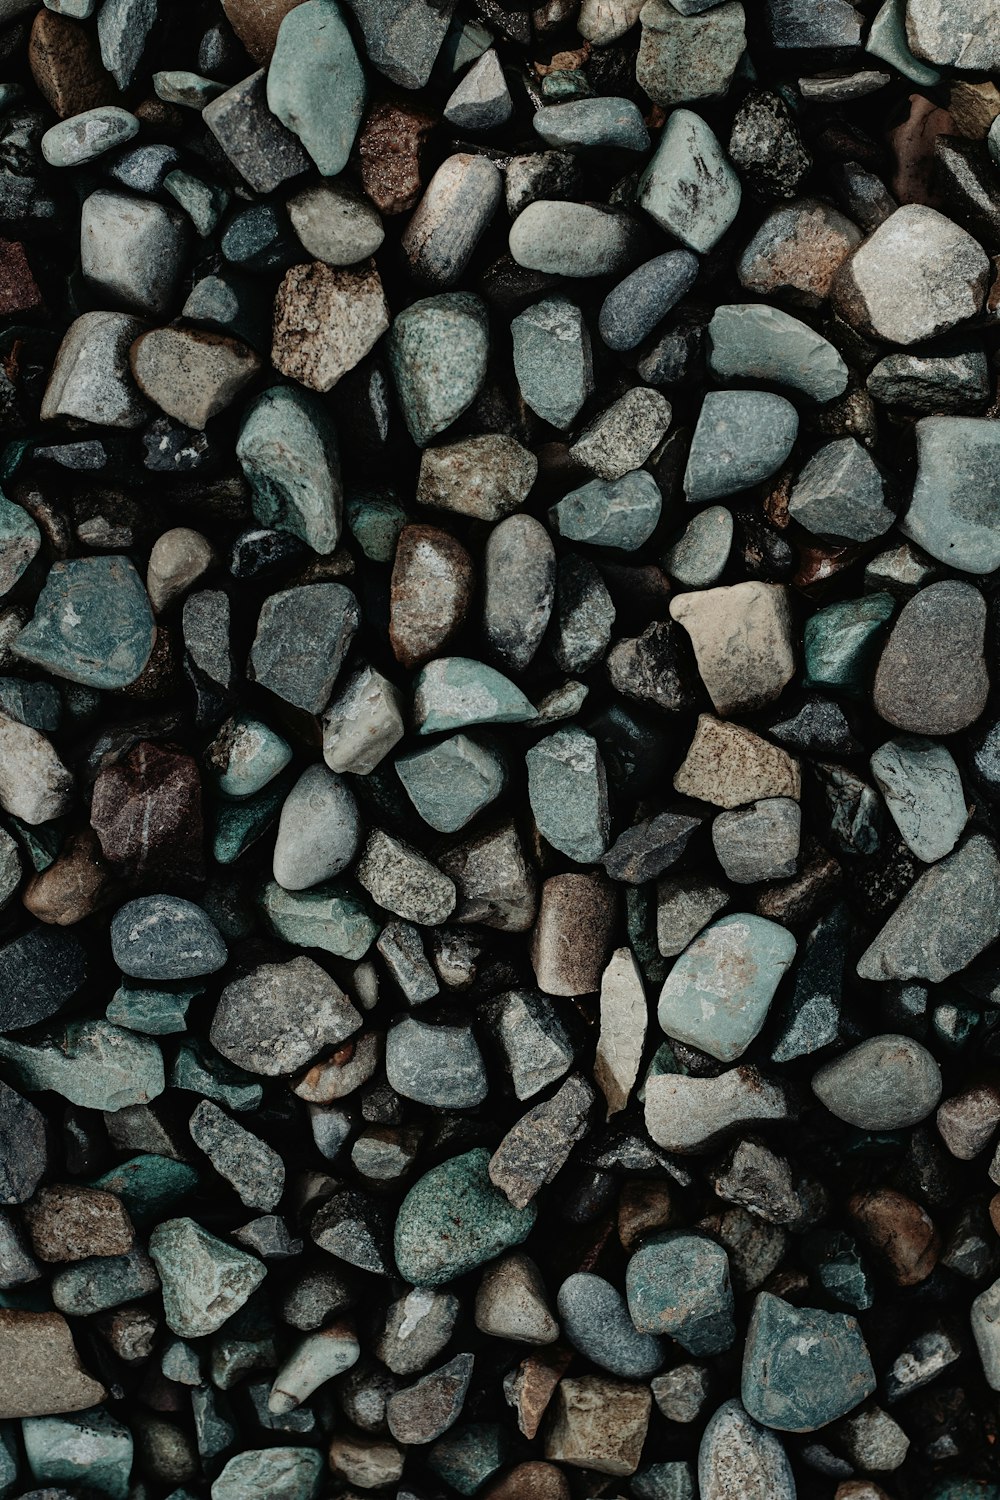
686, 56
679, 1285
966, 37
131, 250
797, 251
318, 832
258, 145
536, 1148
455, 692
486, 477
931, 677
334, 224
400, 879
252, 1168
926, 384
453, 1220
599, 1424
430, 593
178, 559
951, 512
740, 439
617, 512
633, 308
840, 493
803, 1367
917, 276
315, 83
402, 37
457, 206
596, 1322
191, 375
718, 993
481, 101
287, 448
280, 1473
574, 239
165, 937
690, 1115
730, 766
570, 940
689, 187
91, 1063
326, 320
922, 787
363, 723
753, 341
582, 123
277, 1017
519, 575
739, 1457
92, 623
86, 136
533, 1041
423, 1411
622, 438
450, 782
511, 1302
742, 639
437, 352
291, 627
91, 379
45, 1371
552, 359
623, 1030
440, 1066
985, 1318
760, 842
35, 786
884, 1083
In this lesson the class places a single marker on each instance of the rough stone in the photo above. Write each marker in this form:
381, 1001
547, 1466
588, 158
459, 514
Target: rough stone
279, 1016
689, 188
932, 678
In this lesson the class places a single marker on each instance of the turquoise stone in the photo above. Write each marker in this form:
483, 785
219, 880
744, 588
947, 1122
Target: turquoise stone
679, 1284
238, 825
887, 40
718, 993
375, 518
922, 787
690, 188
610, 512
592, 122
842, 642
454, 1220
149, 1186
247, 755
753, 341
835, 1261
87, 135
552, 359
102, 1282
315, 83
438, 348
92, 623
90, 1063
954, 511
277, 1473
151, 1010
288, 451
200, 1071
190, 90
698, 558
454, 692
330, 917
165, 937
90, 1448
203, 202
802, 1367
204, 1280
451, 781
568, 793
466, 1457
20, 540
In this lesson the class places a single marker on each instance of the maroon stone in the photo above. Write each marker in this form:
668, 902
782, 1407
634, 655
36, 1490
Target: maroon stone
146, 811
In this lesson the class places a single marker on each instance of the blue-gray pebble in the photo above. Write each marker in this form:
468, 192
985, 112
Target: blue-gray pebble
593, 122
165, 937
633, 308
597, 1323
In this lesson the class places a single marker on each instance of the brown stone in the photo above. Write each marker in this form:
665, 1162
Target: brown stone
168, 119
391, 143
256, 23
818, 564
968, 1121
530, 1387
860, 1489
599, 1424
569, 946
161, 676
74, 886
899, 1231
326, 319
432, 581
146, 811
644, 1207
802, 897
974, 106
65, 62
42, 1373
68, 1222
531, 1481
131, 1332
912, 144
18, 289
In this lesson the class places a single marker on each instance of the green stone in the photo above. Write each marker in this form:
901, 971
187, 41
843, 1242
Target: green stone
149, 1186
92, 623
315, 83
689, 188
887, 40
451, 781
468, 1455
438, 348
922, 788
90, 1448
277, 1473
330, 917
238, 825
835, 1261
954, 511
670, 1481
37, 704
232, 304
455, 692
246, 755
375, 518
718, 993
592, 122
610, 512
565, 84
87, 135
568, 794
842, 642
204, 1280
288, 451
802, 1367
20, 540
90, 1063
454, 1220
203, 202
552, 359
190, 90
679, 1284
199, 1070
753, 341
152, 1010
303, 635
103, 1282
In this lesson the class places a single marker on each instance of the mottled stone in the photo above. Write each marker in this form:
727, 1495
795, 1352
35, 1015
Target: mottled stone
718, 993
44, 1372
571, 937
279, 1016
689, 188
679, 1284
685, 57
432, 582
932, 677
451, 217
204, 1280
452, 781
536, 1148
453, 1220
315, 83
923, 791
953, 509
191, 374
90, 378
68, 1222
690, 1115
165, 937
146, 812
760, 842
730, 766
797, 252
485, 477
391, 146
437, 351
739, 1458
90, 1063
599, 1424
552, 359
753, 341
262, 150
802, 1367
441, 1066
326, 320
92, 623
596, 1321
740, 439
279, 1473
302, 638
965, 35
423, 1411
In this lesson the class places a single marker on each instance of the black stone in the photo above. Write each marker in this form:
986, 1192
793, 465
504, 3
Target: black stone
40, 972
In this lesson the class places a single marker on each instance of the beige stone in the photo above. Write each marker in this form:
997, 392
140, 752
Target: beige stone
599, 1424
178, 559
742, 639
731, 766
42, 1373
623, 1029
689, 1115
191, 373
326, 321
510, 1302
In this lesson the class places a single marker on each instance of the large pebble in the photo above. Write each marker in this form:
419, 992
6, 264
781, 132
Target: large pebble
932, 676
165, 937
437, 352
922, 787
431, 587
953, 511
131, 250
624, 435
451, 217
191, 374
567, 790
302, 638
453, 1220
596, 1321
574, 239
326, 319
752, 341
92, 623
729, 766
614, 123
552, 359
884, 1083
441, 1066
686, 57
454, 692
742, 639
689, 188
690, 1115
620, 512
519, 575
335, 224
91, 379
717, 995
802, 1367
287, 448
679, 1284
318, 831
278, 1016
35, 786
840, 493
486, 477
741, 437
738, 1458
634, 307
962, 35
315, 83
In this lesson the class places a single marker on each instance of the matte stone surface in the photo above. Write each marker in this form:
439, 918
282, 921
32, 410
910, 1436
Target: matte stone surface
741, 438
279, 1016
437, 352
752, 341
932, 677
453, 1219
204, 1280
165, 937
552, 359
739, 1457
717, 994
574, 239
884, 1083
953, 510
302, 638
690, 1115
567, 790
92, 623
922, 787
689, 188
679, 1284
45, 1373
802, 1367
40, 971
596, 1321
315, 83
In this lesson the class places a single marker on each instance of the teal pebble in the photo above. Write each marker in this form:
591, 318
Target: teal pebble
287, 448
203, 202
689, 187
592, 122
90, 1063
277, 1473
753, 341
552, 359
248, 754
679, 1285
89, 1448
740, 439
238, 825
454, 1220
568, 794
610, 513
451, 781
375, 519
198, 1070
438, 348
466, 1457
315, 83
803, 1368
20, 540
922, 788
842, 642
150, 1010
102, 1282
92, 623
330, 917
454, 692
85, 136
149, 1186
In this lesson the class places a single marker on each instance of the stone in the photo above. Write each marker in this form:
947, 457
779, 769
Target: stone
797, 251
495, 881
952, 509
985, 1319
450, 782
679, 1284
633, 308
45, 1375
423, 1411
536, 1148
691, 1115
400, 879
738, 1457
753, 341
943, 383
485, 477
645, 850
90, 378
740, 439
624, 435
35, 786
685, 57
552, 359
418, 1325
204, 1280
567, 792
574, 239
717, 995
519, 575
766, 145
363, 723
441, 1066
165, 937
623, 1030
802, 1367
318, 832
760, 842
327, 917
146, 812
609, 123
840, 493
40, 972
511, 1302
131, 249
841, 643
20, 540
191, 374
967, 1121
917, 276
481, 101
459, 202
303, 635
92, 623
315, 83
401, 38
533, 1041
540, 174
967, 37
437, 350
599, 1424
66, 65
596, 1322
67, 1222
943, 922
884, 1083
730, 766
179, 558
287, 448
258, 145
923, 791
326, 319
335, 224
584, 614
604, 21
23, 1151
279, 1016
684, 905
689, 188
571, 937
88, 135
391, 146
94, 1446
742, 639
90, 1063
454, 1219
455, 692
430, 592
932, 677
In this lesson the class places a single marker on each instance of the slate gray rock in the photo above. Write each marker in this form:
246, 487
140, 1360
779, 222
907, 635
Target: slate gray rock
741, 438
165, 938
441, 1066
40, 972
884, 1083
596, 1321
752, 341
519, 577
840, 493
552, 359
932, 676
303, 635
279, 1016
689, 187
954, 507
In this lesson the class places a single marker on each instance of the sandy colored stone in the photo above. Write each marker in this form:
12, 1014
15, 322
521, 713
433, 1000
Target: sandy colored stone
42, 1370
623, 1029
570, 940
65, 62
599, 1424
69, 1222
530, 1387
731, 766
742, 639
530, 1481
326, 319
432, 582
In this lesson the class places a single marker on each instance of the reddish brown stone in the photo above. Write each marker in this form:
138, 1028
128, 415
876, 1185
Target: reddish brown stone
899, 1231
643, 1208
65, 62
530, 1387
74, 886
802, 896
256, 23
146, 811
912, 144
68, 1222
391, 144
967, 1122
531, 1481
818, 564
168, 119
18, 289
432, 582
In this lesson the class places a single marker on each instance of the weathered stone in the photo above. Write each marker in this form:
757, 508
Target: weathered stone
802, 1367
536, 1148
570, 940
302, 638
90, 378
730, 766
685, 57
884, 1083
451, 217
690, 1115
146, 812
511, 1303
552, 359
689, 187
932, 677
742, 642
279, 1016
44, 1370
953, 508
574, 239
599, 1424
797, 252
326, 319
437, 351
453, 1220
431, 588
752, 341
92, 623
740, 439
262, 150
922, 788
738, 1457
69, 1222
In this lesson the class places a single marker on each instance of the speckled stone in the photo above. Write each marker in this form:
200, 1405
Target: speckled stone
552, 359
753, 341
279, 1016
953, 509
691, 1115
689, 188
719, 991
679, 1284
922, 788
596, 1322
92, 623
737, 1457
326, 319
884, 1083
932, 677
437, 352
574, 239
741, 438
453, 1220
166, 937
803, 1368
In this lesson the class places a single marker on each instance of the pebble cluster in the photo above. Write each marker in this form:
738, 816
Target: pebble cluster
499, 751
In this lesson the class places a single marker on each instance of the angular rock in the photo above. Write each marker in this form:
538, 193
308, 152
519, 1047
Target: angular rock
718, 993
315, 83
964, 36
318, 832
536, 1148
742, 641
90, 378
567, 791
552, 359
481, 101
685, 57
923, 791
760, 842
454, 692
689, 188
90, 1063
131, 250
797, 251
262, 150
437, 352
730, 766
752, 341
599, 1424
511, 1303
279, 1016
622, 438
191, 374
802, 1367
738, 1457
326, 319
623, 1030
403, 37
204, 1280
423, 1411
303, 635
430, 593
40, 972
92, 623
840, 493
45, 1374
953, 509
252, 1168
679, 1284
740, 439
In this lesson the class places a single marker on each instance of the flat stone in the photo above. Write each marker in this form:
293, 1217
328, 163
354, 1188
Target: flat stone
536, 1148
932, 676
262, 150
423, 1411
487, 477
315, 83
760, 842
622, 1036
552, 359
922, 787
451, 217
730, 766
92, 623
330, 918
191, 374
454, 1219
45, 1374
797, 251
87, 135
884, 1083
94, 1446
438, 349
944, 921
574, 239
165, 937
40, 972
738, 1457
967, 36
689, 188
132, 249
455, 692
753, 341
279, 1016
840, 493
633, 308
363, 723
691, 1115
740, 439
932, 383
645, 850
441, 1066
279, 1473
581, 123
567, 792
302, 638
679, 1284
953, 509
90, 1063
450, 782
430, 592
596, 1321
918, 275
624, 435
742, 639
685, 57
417, 1327
802, 1367
253, 1169
90, 378
599, 1424
717, 995
335, 224
481, 101
204, 1280
326, 320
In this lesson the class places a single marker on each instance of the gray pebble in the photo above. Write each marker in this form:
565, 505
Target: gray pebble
318, 831
760, 842
884, 1083
574, 239
458, 204
634, 307
596, 1321
132, 249
441, 1066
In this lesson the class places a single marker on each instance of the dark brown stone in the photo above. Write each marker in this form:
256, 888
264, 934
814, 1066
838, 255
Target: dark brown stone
161, 676
74, 886
18, 290
900, 1233
68, 1222
967, 1121
643, 1208
391, 144
805, 894
66, 65
530, 1481
432, 582
256, 23
146, 811
912, 144
569, 946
